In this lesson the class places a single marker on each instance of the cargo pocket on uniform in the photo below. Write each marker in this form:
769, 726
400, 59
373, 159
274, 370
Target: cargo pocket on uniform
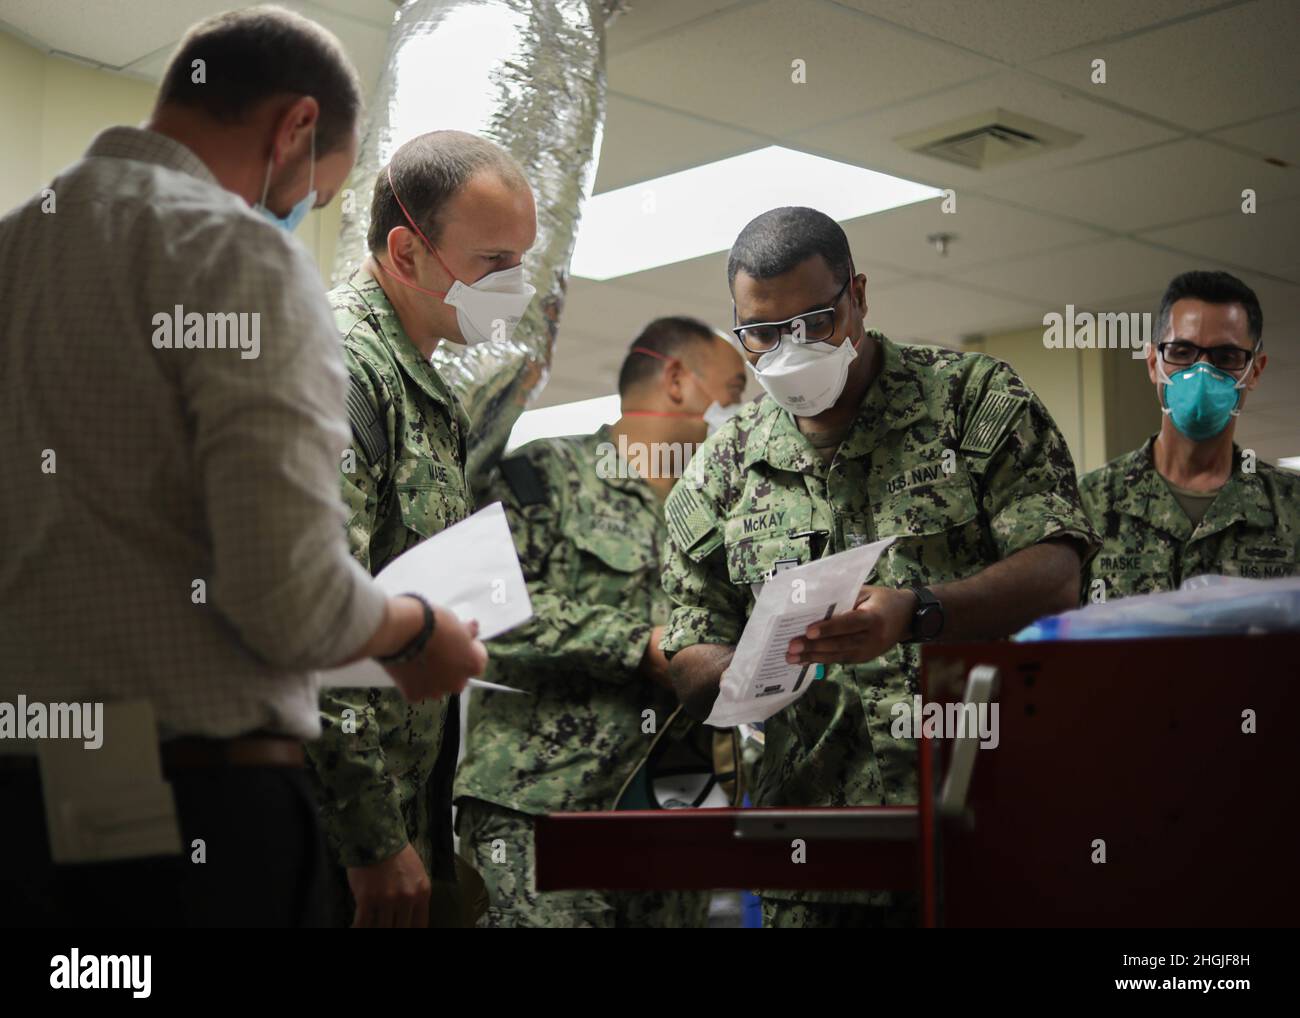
617, 552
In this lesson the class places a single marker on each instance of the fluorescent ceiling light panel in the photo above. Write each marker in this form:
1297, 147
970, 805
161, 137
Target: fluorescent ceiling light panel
580, 418
701, 210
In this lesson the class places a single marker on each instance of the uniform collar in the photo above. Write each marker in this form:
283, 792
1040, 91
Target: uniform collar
633, 483
893, 401
145, 146
1146, 495
420, 370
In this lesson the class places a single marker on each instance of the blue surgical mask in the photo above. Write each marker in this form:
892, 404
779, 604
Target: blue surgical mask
1201, 399
296, 214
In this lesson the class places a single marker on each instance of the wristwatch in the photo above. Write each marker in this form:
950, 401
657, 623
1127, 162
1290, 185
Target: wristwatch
413, 647
928, 618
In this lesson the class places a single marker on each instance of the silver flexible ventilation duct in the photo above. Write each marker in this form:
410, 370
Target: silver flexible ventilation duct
530, 75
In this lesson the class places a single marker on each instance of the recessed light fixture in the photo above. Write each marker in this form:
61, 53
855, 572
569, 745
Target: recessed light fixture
580, 418
701, 210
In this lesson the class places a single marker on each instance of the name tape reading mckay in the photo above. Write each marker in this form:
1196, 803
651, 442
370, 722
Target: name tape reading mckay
24, 720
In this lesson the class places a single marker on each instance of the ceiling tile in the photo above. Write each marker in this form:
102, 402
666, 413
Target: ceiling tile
1267, 241
1202, 73
1088, 276
642, 142
736, 68
1277, 137
1159, 186
985, 231
1014, 31
109, 32
925, 311
646, 20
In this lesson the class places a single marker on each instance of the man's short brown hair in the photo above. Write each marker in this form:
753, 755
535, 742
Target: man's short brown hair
428, 171
254, 54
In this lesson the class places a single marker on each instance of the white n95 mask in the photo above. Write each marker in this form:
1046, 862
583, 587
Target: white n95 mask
805, 378
717, 415
492, 307
486, 310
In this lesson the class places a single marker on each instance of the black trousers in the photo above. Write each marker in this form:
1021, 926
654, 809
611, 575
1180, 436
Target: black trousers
264, 865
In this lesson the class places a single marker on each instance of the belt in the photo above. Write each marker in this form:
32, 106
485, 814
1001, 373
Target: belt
183, 753
243, 751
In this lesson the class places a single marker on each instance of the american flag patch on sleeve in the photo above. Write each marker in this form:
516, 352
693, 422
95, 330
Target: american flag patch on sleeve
689, 521
988, 426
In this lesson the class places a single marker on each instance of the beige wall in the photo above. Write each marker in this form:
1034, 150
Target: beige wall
51, 108
1100, 399
1132, 412
22, 91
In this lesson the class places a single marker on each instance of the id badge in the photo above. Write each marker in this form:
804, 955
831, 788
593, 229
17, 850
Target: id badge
779, 566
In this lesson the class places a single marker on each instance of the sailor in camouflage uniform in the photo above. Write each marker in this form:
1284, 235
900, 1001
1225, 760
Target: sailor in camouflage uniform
1190, 502
383, 767
948, 452
589, 529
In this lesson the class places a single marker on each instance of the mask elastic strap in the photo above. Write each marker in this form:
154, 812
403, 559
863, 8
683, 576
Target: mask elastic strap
652, 353
432, 250
1163, 375
440, 294
668, 360
660, 413
311, 171
266, 181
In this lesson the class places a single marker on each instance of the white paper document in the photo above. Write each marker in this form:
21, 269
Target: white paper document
759, 682
471, 569
109, 803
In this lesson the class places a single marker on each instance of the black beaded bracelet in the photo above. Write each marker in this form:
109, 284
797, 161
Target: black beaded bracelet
415, 645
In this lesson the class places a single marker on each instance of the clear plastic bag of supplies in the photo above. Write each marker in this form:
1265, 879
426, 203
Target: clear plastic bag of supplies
1202, 606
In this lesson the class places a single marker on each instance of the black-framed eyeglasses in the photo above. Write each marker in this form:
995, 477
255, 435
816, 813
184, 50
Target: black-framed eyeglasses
1183, 353
810, 327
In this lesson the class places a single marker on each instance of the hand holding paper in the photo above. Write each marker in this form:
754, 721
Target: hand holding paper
881, 618
469, 569
759, 681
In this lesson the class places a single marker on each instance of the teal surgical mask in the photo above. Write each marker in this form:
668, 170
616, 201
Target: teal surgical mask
1201, 399
296, 214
